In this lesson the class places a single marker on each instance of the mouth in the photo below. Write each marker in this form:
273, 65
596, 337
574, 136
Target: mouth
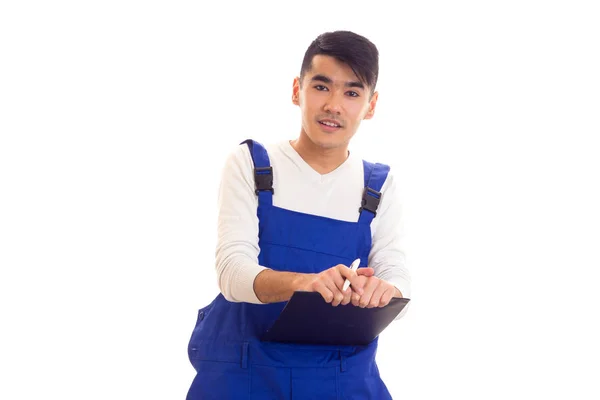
330, 125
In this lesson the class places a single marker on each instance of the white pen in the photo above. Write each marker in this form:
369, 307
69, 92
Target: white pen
353, 267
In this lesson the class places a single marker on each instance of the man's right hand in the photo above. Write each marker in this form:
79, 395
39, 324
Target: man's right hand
329, 283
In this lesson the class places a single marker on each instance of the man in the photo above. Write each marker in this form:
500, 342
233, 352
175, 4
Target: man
292, 217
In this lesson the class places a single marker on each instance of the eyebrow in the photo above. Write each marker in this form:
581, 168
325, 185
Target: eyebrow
325, 79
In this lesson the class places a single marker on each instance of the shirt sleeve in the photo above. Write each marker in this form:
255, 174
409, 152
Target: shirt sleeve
387, 255
237, 229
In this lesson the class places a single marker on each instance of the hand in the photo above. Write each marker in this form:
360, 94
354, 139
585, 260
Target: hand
376, 292
330, 282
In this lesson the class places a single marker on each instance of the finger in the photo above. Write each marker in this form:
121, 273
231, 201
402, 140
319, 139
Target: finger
347, 296
338, 296
376, 297
355, 299
347, 273
369, 289
387, 297
357, 282
363, 274
365, 271
319, 286
337, 275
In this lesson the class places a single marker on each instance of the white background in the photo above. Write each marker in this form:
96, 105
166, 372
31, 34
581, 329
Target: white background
116, 118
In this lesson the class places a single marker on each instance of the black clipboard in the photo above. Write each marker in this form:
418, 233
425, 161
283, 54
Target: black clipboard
308, 319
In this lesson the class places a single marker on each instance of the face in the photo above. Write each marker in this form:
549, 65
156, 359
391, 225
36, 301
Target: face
333, 102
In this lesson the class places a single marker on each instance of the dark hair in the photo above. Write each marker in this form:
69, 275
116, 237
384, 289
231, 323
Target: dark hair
350, 48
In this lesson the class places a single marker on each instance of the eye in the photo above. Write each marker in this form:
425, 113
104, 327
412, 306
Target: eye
352, 93
320, 87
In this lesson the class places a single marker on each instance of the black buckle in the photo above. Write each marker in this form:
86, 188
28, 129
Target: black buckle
370, 202
263, 179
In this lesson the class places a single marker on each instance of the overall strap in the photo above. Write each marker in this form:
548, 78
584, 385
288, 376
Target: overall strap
375, 175
263, 172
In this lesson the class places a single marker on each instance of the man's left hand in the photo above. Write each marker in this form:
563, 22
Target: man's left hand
377, 293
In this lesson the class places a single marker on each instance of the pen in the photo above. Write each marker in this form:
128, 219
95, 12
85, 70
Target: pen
353, 267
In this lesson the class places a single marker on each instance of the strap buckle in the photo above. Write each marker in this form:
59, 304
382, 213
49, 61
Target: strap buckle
263, 179
370, 200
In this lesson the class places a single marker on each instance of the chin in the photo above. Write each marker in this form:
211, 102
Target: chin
326, 142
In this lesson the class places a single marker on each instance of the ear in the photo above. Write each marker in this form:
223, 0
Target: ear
372, 104
296, 91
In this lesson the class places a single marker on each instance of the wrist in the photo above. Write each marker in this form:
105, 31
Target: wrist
301, 282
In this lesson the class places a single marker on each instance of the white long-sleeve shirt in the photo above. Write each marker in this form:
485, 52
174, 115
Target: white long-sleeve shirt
300, 188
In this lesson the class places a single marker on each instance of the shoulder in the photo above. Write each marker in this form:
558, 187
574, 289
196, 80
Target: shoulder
380, 173
240, 157
244, 150
391, 189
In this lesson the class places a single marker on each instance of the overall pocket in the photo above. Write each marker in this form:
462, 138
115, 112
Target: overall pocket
196, 333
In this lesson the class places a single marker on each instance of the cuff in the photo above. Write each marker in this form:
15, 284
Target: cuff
245, 283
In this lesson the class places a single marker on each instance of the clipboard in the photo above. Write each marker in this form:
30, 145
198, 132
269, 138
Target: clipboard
308, 319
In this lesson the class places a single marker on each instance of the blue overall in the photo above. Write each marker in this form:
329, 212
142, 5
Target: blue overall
225, 347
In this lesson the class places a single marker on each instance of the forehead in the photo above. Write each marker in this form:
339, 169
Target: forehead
332, 68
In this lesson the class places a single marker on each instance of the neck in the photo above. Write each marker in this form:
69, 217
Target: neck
321, 159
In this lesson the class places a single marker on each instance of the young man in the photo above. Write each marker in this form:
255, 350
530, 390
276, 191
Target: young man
292, 217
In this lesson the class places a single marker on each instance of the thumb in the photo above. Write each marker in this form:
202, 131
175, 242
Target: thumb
366, 271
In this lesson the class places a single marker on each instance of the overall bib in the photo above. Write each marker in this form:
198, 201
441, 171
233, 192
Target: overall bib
225, 347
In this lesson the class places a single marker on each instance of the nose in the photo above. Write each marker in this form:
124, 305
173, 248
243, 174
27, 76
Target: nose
333, 104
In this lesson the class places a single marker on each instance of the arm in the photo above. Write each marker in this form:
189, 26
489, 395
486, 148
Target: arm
392, 278
274, 286
387, 256
237, 229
